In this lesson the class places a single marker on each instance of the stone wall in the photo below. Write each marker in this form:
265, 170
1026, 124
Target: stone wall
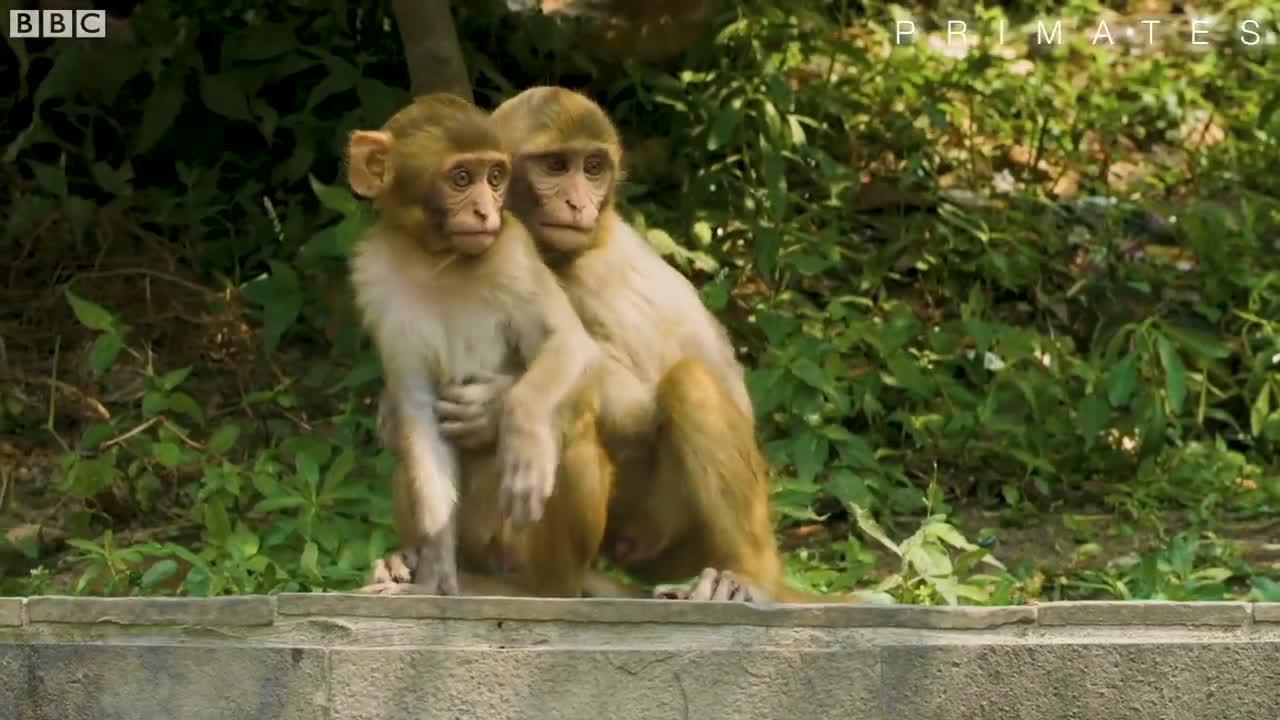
333, 656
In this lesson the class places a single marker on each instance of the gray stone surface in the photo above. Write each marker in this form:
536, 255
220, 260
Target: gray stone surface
70, 681
1266, 612
255, 610
10, 611
1133, 681
349, 657
1143, 613
604, 683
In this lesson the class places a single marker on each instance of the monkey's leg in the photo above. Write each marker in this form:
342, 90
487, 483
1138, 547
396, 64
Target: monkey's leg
430, 562
558, 551
707, 502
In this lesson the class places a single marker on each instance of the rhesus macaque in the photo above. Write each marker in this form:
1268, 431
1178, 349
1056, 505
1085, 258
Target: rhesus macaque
692, 489
452, 289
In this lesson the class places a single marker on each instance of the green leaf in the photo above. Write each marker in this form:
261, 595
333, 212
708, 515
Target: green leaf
183, 403
808, 371
723, 126
1175, 373
809, 453
223, 95
63, 79
310, 560
174, 378
868, 525
158, 573
104, 351
284, 502
1198, 341
1094, 414
849, 488
1122, 380
1260, 409
335, 197
906, 374
160, 110
90, 314
113, 180
217, 522
368, 370
949, 535
167, 454
154, 403
50, 178
224, 438
280, 295
308, 469
258, 42
339, 469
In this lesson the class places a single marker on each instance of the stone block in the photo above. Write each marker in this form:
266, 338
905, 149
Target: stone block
70, 681
608, 682
243, 610
10, 612
1107, 612
1085, 681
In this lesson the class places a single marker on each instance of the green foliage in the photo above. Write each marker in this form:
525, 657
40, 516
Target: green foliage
973, 333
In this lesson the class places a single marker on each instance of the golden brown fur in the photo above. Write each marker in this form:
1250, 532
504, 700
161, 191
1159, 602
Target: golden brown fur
450, 287
692, 486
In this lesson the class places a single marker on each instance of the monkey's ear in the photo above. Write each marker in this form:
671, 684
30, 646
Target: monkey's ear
368, 162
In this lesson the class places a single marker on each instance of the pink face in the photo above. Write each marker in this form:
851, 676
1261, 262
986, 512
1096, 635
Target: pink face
472, 189
568, 189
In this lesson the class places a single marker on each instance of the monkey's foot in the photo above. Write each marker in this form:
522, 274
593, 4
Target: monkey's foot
396, 567
392, 588
712, 584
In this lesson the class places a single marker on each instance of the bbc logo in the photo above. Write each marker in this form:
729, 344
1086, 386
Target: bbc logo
57, 23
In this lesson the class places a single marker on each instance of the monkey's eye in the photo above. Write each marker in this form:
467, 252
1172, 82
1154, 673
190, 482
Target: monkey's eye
461, 177
557, 163
496, 176
594, 165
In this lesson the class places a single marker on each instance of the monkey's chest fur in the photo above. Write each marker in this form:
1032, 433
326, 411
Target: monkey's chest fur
450, 323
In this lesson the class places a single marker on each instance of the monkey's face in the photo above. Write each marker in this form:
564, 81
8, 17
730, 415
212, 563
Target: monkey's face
562, 193
466, 202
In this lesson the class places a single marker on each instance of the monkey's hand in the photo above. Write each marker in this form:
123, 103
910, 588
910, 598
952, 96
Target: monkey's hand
527, 457
469, 411
712, 584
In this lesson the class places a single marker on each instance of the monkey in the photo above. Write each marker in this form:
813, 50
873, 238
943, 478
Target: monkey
451, 288
691, 490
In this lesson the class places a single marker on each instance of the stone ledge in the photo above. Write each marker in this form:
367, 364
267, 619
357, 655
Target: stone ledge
10, 611
236, 611
1105, 612
358, 657
650, 611
263, 610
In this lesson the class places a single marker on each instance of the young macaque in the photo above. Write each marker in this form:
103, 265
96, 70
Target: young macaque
452, 290
692, 487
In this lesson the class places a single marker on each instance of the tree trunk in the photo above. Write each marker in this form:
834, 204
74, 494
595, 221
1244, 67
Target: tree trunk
431, 48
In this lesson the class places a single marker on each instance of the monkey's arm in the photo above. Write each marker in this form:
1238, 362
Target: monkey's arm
559, 353
559, 358
432, 465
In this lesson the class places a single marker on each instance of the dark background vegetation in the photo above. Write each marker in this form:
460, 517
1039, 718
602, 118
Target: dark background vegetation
1019, 301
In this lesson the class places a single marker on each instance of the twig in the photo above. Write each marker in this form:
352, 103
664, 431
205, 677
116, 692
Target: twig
65, 387
152, 273
53, 379
181, 435
121, 438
